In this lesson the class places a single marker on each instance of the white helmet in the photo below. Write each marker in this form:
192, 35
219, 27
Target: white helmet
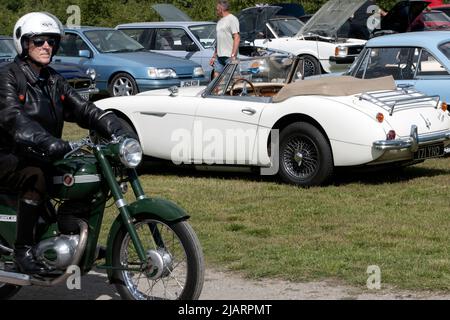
33, 24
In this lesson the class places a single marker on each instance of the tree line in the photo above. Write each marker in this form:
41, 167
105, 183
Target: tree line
113, 12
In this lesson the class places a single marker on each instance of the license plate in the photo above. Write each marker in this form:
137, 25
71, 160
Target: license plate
190, 83
85, 96
430, 151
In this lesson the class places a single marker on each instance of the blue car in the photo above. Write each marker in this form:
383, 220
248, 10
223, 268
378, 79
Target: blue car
415, 59
124, 67
82, 80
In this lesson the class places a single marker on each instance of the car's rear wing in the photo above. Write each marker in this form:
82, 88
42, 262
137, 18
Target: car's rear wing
400, 99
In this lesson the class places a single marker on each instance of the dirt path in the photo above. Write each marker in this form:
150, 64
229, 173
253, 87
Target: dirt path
229, 286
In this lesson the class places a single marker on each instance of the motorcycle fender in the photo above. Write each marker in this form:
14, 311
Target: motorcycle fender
163, 210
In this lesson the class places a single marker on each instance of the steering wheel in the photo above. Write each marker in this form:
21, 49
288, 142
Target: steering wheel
242, 80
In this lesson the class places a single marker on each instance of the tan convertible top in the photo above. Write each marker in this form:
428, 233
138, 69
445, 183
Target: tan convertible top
334, 86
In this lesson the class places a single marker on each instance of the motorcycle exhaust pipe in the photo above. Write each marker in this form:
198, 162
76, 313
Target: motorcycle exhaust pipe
17, 279
20, 279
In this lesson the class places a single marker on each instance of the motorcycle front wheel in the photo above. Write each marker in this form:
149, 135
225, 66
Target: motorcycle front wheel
175, 268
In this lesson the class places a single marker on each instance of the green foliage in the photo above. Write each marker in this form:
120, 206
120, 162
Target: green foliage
110, 13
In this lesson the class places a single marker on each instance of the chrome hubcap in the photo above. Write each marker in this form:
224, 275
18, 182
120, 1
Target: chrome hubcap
298, 158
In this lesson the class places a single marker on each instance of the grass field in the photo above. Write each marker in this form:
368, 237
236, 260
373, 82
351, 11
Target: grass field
399, 221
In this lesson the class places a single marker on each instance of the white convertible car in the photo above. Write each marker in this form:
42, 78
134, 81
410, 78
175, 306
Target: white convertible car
260, 114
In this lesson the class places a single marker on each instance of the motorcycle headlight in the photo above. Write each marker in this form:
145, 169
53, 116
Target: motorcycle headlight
91, 73
130, 153
155, 73
198, 72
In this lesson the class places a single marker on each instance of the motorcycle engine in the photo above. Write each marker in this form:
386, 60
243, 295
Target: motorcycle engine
58, 252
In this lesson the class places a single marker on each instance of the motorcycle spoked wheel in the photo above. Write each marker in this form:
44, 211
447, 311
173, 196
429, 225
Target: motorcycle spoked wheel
183, 268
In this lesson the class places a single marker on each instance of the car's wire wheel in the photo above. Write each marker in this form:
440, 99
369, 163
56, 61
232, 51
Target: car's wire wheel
300, 157
305, 155
311, 66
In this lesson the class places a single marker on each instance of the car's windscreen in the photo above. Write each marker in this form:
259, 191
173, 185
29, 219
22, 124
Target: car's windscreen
273, 69
436, 16
445, 49
286, 27
400, 62
113, 41
7, 48
205, 33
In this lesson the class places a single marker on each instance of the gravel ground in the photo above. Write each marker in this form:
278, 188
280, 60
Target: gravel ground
230, 286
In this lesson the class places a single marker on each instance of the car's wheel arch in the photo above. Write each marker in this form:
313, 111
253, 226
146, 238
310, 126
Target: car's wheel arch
115, 73
289, 119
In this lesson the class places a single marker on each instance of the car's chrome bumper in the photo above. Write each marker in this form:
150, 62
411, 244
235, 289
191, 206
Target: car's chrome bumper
413, 142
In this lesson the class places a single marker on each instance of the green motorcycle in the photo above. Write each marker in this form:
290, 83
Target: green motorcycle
151, 251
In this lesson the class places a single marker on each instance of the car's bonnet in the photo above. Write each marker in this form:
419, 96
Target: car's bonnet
253, 21
182, 92
330, 17
400, 17
169, 12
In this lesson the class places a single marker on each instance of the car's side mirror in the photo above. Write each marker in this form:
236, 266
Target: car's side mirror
84, 54
192, 48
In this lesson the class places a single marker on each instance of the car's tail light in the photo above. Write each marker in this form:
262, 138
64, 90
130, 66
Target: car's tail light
391, 135
380, 117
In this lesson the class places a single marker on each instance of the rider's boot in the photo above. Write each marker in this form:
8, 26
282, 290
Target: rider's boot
27, 216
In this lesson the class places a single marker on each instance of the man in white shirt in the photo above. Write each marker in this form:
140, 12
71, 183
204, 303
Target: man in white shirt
227, 44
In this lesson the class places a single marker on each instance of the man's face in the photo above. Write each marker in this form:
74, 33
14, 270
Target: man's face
40, 49
219, 10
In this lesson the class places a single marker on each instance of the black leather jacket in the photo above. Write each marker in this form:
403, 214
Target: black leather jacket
35, 124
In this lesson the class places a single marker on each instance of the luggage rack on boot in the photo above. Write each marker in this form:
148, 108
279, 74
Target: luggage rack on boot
400, 99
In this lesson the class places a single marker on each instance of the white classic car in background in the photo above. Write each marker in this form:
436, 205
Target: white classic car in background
259, 113
317, 41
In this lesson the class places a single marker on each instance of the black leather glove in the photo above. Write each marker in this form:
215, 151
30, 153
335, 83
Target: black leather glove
57, 149
110, 124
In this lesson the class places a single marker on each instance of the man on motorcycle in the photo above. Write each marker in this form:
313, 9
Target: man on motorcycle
34, 103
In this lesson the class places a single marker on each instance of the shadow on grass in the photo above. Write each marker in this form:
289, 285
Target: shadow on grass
342, 176
394, 175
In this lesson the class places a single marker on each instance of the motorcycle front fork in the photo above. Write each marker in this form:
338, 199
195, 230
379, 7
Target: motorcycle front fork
122, 205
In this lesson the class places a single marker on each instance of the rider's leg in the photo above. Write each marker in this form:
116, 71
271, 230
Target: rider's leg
32, 180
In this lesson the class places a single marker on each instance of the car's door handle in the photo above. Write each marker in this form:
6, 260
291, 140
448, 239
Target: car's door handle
57, 60
249, 111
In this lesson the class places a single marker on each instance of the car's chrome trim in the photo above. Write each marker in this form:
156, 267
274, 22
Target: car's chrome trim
154, 114
413, 141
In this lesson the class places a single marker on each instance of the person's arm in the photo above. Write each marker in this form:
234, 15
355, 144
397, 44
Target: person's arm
27, 134
236, 42
236, 37
213, 58
87, 115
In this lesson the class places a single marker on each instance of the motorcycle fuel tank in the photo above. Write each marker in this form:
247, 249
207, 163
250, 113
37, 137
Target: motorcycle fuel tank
76, 178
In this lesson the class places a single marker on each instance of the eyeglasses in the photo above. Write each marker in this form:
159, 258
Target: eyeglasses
39, 42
